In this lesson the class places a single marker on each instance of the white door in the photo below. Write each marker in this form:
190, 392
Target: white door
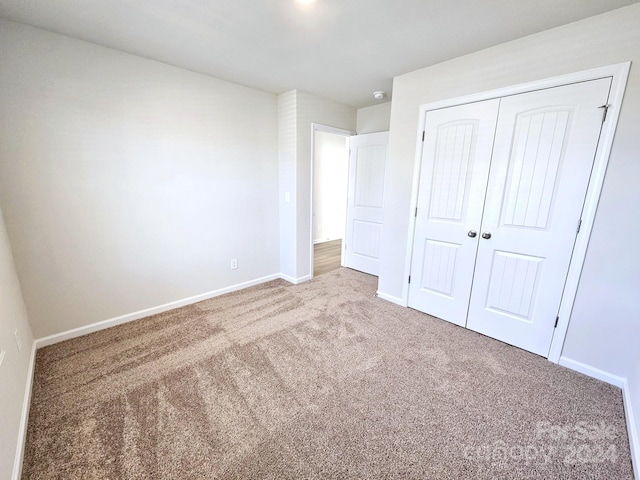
456, 156
543, 155
367, 166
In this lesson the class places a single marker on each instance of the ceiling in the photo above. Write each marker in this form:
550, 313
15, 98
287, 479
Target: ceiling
338, 49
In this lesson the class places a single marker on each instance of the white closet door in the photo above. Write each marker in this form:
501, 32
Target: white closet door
542, 160
456, 156
367, 166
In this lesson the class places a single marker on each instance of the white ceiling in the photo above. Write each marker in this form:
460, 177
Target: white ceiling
339, 49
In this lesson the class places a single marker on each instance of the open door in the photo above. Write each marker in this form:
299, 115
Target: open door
365, 198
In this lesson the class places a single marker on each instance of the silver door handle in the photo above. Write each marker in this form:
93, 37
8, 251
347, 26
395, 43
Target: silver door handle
486, 235
472, 233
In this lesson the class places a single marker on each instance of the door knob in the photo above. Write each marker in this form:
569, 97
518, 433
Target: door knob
472, 233
486, 235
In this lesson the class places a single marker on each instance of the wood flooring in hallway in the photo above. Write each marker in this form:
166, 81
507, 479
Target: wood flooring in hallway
326, 256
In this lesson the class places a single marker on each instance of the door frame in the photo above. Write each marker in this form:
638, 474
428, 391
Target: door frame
319, 127
619, 74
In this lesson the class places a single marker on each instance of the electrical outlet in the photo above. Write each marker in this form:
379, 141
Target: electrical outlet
16, 335
2, 357
234, 263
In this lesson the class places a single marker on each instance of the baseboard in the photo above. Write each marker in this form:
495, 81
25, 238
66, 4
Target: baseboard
112, 322
593, 372
622, 383
26, 404
390, 298
634, 439
293, 280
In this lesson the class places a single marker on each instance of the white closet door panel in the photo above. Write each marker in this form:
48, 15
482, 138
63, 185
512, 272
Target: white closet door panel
367, 166
543, 154
455, 166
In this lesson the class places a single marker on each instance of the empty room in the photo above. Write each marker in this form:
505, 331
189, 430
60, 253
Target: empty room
312, 239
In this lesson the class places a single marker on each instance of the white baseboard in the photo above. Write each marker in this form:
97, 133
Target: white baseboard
621, 382
295, 281
112, 322
26, 404
390, 298
634, 438
593, 372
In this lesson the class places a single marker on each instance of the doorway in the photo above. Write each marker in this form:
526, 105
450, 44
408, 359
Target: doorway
329, 174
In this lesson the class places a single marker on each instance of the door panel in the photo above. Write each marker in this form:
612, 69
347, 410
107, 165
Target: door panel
438, 267
366, 238
370, 163
543, 154
535, 164
512, 284
367, 166
456, 156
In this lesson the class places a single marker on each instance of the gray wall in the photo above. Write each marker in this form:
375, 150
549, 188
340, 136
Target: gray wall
15, 367
127, 183
375, 118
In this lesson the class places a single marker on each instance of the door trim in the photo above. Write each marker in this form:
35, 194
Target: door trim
318, 127
619, 74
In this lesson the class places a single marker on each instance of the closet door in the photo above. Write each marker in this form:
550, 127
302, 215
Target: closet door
455, 166
543, 155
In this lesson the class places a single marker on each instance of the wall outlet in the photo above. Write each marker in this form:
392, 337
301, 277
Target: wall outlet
234, 263
16, 335
2, 357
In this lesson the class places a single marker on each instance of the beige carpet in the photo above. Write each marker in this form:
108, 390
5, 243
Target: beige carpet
319, 380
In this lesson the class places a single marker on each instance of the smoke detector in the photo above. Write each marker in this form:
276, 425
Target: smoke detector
379, 95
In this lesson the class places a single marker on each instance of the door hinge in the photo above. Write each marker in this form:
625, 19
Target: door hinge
409, 278
579, 225
423, 135
556, 324
605, 109
416, 214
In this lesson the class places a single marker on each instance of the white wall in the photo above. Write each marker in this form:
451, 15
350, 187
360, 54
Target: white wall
287, 148
330, 175
15, 367
295, 229
127, 183
604, 330
374, 119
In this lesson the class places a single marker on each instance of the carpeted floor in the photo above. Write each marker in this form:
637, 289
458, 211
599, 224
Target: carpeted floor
319, 380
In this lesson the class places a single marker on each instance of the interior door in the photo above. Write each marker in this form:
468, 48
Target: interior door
543, 155
456, 156
365, 198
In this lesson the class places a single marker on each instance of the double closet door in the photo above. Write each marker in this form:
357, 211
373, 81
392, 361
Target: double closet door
502, 187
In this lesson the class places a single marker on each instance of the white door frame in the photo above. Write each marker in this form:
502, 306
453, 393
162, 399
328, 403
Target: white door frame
619, 73
318, 127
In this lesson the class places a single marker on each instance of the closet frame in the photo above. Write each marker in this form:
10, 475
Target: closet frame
618, 74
